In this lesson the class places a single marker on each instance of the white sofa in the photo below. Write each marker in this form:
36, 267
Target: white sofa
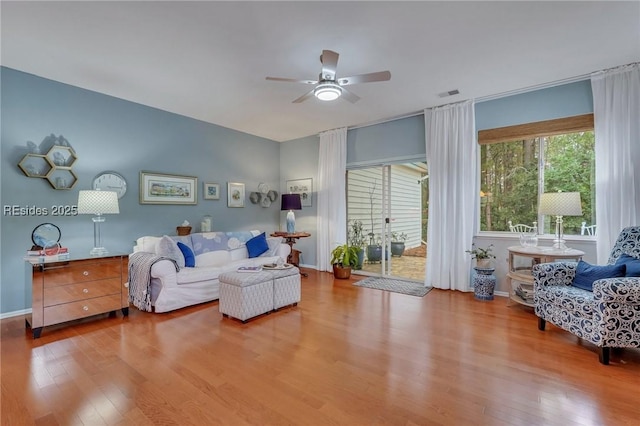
215, 253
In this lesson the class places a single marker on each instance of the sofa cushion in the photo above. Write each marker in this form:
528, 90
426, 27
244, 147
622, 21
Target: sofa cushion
213, 258
189, 258
257, 245
586, 274
632, 265
197, 275
167, 247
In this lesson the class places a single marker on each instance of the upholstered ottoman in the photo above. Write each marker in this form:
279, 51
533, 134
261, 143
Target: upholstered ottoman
244, 295
286, 287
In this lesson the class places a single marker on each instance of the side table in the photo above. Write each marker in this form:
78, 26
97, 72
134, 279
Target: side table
521, 261
291, 238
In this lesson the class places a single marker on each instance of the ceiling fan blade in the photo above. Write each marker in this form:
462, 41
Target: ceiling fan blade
365, 78
304, 97
292, 80
350, 96
329, 60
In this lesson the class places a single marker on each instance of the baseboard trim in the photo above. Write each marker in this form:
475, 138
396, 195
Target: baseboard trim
15, 313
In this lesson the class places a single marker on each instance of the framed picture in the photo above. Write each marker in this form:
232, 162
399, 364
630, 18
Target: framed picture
211, 191
235, 194
304, 187
160, 188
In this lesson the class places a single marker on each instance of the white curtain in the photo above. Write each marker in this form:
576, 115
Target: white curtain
332, 205
453, 194
616, 109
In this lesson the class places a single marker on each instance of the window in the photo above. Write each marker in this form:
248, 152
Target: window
518, 163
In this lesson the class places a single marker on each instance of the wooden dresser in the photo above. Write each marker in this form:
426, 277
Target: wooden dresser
76, 288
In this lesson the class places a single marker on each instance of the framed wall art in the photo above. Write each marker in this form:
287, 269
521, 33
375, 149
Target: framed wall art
160, 188
235, 194
211, 191
304, 187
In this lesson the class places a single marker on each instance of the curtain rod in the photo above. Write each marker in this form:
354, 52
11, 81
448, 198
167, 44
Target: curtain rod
481, 99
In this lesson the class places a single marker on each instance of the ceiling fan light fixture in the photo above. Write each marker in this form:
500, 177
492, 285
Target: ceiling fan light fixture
328, 91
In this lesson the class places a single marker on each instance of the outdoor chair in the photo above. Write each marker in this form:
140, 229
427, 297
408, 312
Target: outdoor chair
587, 230
521, 227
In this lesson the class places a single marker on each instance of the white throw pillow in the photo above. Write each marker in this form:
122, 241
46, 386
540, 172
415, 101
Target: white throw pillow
274, 245
147, 244
168, 248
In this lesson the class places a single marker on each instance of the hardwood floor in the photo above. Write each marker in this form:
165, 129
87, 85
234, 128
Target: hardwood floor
345, 356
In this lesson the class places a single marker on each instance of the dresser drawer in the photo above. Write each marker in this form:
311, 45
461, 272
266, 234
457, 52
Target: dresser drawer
82, 271
81, 291
84, 308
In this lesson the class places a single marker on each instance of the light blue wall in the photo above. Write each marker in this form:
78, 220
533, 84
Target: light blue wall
562, 101
299, 160
112, 134
395, 141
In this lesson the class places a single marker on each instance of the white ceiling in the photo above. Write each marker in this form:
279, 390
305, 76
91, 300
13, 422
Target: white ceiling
209, 60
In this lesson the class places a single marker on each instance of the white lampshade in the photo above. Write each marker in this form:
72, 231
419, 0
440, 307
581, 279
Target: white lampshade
98, 202
560, 204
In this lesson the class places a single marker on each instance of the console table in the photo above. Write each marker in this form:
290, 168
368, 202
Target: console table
65, 290
521, 261
291, 238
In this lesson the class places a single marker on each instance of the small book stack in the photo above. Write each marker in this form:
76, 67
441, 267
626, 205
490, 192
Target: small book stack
48, 255
249, 269
525, 292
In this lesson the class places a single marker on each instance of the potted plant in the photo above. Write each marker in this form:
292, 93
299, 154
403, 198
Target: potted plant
355, 236
482, 256
397, 243
343, 258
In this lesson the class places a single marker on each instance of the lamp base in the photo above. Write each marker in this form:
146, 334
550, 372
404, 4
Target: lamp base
98, 251
559, 245
291, 222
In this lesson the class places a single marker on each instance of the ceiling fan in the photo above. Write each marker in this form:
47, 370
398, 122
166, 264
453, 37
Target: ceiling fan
328, 86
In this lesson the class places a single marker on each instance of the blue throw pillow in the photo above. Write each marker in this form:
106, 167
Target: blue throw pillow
257, 245
189, 258
631, 264
586, 274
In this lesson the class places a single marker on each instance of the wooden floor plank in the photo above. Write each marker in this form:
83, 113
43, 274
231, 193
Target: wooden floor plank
344, 356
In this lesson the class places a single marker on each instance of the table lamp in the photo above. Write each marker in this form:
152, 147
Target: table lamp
291, 202
560, 204
98, 203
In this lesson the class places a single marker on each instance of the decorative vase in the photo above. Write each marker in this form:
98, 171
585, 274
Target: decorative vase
341, 272
484, 283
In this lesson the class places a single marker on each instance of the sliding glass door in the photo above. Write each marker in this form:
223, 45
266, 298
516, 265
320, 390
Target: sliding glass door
386, 217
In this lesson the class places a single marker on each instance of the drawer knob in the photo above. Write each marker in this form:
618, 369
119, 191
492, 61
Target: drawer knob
85, 290
85, 308
85, 273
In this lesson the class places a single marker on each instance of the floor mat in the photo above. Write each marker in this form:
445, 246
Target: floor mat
395, 285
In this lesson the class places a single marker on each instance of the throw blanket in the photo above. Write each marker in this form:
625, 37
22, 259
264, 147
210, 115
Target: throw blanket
140, 264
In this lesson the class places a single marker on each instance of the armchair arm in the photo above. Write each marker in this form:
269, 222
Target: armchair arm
556, 273
620, 290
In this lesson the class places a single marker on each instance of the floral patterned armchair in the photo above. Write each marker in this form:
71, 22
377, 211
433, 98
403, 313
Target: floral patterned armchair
608, 317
